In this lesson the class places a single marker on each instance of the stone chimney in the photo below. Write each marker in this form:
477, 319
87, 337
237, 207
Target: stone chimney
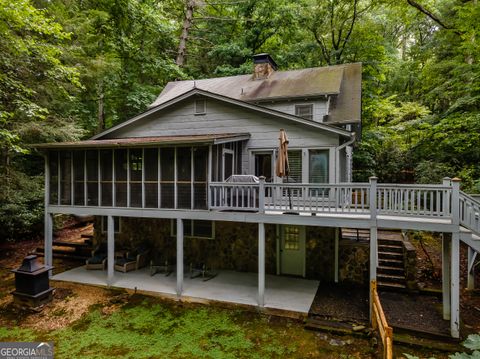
263, 66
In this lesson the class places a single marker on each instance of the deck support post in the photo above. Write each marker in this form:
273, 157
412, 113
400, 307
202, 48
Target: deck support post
261, 264
446, 255
48, 255
110, 250
48, 219
337, 235
471, 269
373, 234
179, 257
455, 286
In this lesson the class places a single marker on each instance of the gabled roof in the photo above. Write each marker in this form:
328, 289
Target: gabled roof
344, 81
246, 105
149, 141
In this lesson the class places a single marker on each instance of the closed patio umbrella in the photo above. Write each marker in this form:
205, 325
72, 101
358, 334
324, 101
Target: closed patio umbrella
282, 168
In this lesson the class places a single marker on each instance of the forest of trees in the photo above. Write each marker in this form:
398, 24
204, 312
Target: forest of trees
70, 68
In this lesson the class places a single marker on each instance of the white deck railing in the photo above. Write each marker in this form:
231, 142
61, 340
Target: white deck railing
388, 199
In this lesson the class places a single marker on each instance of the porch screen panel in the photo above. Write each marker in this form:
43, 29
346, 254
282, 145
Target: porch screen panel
92, 177
200, 171
151, 177
53, 167
106, 175
65, 177
167, 177
135, 178
120, 178
184, 177
79, 177
318, 166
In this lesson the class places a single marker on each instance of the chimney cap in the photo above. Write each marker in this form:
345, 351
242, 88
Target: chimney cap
264, 58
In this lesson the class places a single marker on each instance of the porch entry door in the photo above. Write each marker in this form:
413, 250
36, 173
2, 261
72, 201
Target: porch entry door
292, 250
228, 163
263, 162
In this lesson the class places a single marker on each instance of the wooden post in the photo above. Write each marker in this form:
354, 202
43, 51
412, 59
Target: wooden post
455, 286
471, 269
446, 254
337, 235
179, 257
447, 181
261, 264
110, 250
456, 202
373, 289
261, 195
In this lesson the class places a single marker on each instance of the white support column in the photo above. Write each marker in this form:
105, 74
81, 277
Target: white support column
337, 235
446, 255
455, 286
373, 234
179, 257
110, 250
261, 264
48, 230
471, 269
48, 252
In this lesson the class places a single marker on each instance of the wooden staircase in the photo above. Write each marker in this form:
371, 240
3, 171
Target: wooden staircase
79, 249
390, 270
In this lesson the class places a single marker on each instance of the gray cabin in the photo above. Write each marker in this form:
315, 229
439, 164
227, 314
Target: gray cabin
192, 182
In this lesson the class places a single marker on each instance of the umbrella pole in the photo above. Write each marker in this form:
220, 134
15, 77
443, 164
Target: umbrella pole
289, 194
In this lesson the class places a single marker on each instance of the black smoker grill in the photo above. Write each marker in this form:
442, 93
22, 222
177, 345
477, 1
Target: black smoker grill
32, 286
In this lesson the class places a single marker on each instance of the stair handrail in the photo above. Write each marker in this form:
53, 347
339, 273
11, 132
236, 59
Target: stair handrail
469, 212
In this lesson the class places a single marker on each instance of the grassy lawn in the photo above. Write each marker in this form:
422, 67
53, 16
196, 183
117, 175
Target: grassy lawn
148, 327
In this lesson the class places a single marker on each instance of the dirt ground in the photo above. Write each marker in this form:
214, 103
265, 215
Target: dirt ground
429, 251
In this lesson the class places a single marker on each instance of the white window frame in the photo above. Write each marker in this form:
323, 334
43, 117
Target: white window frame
200, 106
311, 105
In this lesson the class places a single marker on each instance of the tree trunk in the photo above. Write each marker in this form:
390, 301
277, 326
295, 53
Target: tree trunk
101, 109
187, 24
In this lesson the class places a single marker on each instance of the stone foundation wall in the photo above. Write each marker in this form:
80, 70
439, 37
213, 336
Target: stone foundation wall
320, 242
235, 247
410, 263
354, 259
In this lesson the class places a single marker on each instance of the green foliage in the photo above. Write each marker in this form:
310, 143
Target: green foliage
472, 342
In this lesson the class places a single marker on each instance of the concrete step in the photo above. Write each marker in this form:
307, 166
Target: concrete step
391, 278
399, 271
65, 256
389, 248
390, 255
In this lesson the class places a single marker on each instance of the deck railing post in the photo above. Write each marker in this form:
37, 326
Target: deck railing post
261, 194
373, 199
447, 182
456, 202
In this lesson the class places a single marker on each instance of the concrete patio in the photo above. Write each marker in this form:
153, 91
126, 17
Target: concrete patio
281, 293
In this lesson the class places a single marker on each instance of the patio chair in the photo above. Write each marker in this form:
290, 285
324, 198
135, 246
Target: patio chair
132, 260
202, 270
98, 260
159, 263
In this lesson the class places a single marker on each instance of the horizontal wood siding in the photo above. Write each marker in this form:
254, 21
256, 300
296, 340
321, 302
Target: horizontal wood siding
224, 118
319, 107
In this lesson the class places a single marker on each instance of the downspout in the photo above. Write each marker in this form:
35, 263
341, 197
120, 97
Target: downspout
337, 155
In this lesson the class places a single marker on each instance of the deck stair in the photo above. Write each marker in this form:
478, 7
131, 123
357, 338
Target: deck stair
390, 270
78, 249
355, 234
